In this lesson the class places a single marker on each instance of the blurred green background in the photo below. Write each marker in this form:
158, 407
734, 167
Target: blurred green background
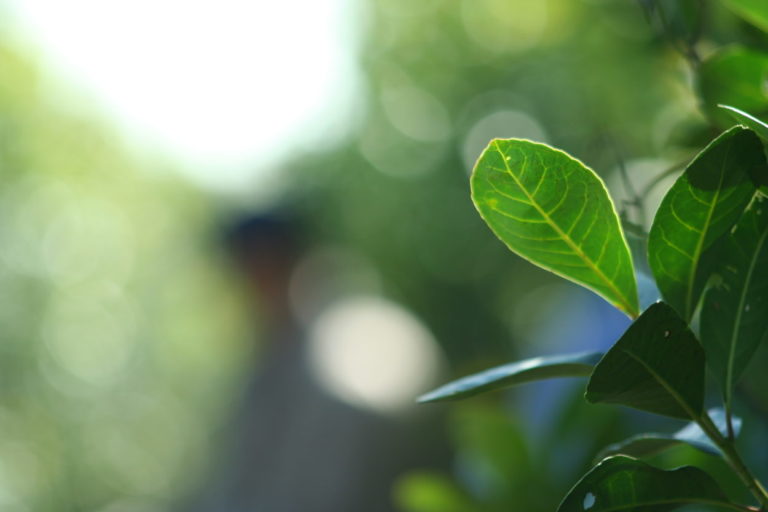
124, 338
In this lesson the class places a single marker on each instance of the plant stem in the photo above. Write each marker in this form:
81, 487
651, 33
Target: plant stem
734, 459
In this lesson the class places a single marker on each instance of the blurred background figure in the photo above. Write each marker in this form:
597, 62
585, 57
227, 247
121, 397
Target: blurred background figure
293, 446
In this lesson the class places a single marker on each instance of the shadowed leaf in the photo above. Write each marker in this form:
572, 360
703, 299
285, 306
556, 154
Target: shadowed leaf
623, 483
705, 202
734, 316
554, 211
656, 366
537, 368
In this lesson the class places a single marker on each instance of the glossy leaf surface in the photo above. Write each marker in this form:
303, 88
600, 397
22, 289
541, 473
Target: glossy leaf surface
537, 368
734, 317
748, 120
704, 203
656, 366
623, 483
645, 445
754, 11
554, 211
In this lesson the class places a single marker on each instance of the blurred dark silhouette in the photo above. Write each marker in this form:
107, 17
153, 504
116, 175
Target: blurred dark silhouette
291, 446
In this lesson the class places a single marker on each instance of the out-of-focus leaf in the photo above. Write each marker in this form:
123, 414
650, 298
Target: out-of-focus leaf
623, 483
429, 492
754, 11
537, 368
734, 316
554, 211
734, 76
656, 366
645, 445
705, 202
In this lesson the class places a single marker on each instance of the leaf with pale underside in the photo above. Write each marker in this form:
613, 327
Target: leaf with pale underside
623, 483
528, 370
554, 211
734, 317
704, 203
647, 445
656, 366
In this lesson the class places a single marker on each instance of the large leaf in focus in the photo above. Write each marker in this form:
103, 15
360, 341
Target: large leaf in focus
754, 11
623, 483
645, 445
734, 317
656, 366
554, 211
705, 202
734, 76
537, 368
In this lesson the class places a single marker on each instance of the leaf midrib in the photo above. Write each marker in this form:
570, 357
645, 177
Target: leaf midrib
697, 252
737, 322
679, 399
626, 304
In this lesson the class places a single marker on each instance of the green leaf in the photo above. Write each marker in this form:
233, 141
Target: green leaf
734, 317
623, 483
705, 202
646, 445
554, 211
748, 120
754, 11
537, 368
734, 76
656, 366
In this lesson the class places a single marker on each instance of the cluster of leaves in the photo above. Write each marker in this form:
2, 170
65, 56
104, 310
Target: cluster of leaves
707, 252
709, 258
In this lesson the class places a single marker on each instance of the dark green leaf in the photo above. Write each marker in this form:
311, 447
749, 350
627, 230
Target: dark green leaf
554, 211
734, 317
705, 202
754, 11
623, 483
734, 76
656, 366
645, 445
537, 368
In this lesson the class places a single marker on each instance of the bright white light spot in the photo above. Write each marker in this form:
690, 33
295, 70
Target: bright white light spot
221, 85
372, 353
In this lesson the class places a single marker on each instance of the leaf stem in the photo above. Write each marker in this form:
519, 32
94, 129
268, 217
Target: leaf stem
728, 448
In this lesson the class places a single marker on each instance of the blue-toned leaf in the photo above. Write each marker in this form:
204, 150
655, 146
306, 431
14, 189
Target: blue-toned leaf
537, 368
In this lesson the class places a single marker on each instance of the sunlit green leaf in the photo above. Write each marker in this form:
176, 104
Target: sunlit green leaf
537, 368
656, 366
734, 76
623, 483
554, 211
705, 202
645, 445
754, 11
734, 316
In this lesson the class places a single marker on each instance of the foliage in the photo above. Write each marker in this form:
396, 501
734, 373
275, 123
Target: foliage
706, 249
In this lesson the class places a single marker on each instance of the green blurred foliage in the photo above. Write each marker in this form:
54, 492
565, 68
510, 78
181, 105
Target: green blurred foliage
119, 332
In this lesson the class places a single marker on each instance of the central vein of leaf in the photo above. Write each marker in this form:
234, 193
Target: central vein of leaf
737, 321
679, 399
626, 305
700, 243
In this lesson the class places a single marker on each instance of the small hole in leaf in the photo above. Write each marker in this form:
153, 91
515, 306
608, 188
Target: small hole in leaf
666, 334
746, 308
589, 501
507, 158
